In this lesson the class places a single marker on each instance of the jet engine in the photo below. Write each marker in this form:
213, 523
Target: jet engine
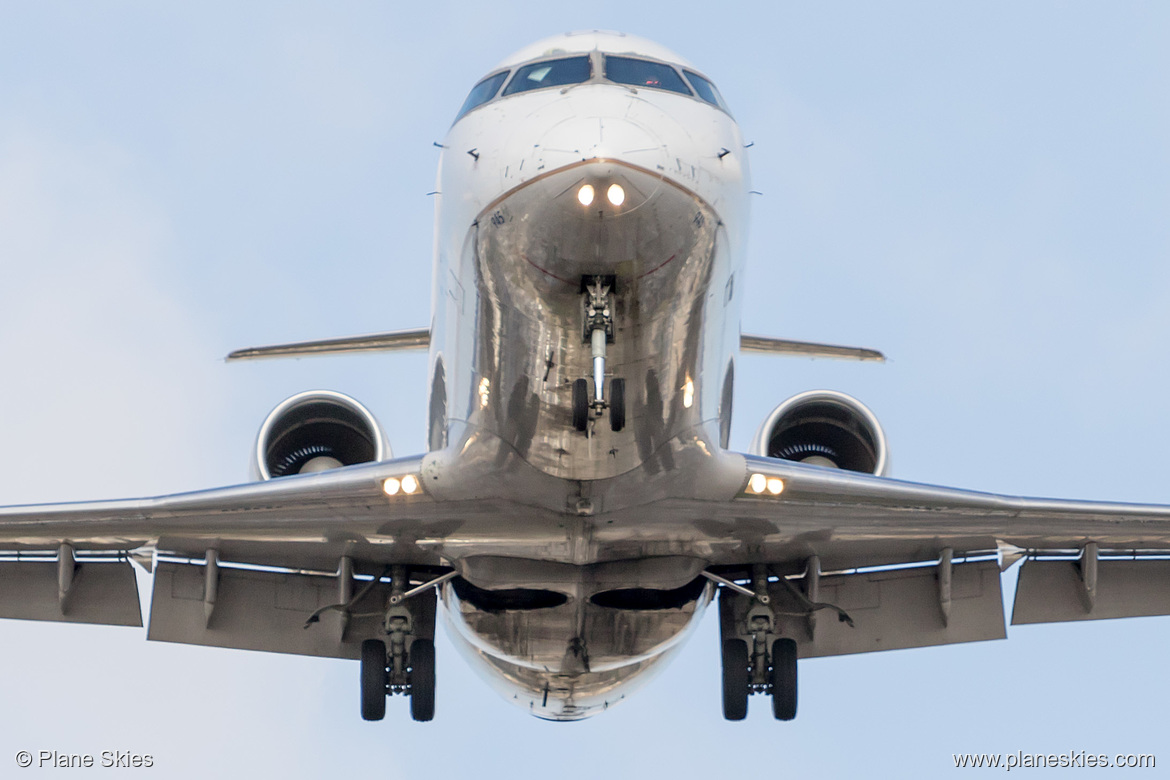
316, 431
824, 428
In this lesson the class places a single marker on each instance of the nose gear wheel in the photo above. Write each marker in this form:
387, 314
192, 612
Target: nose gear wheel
617, 404
581, 404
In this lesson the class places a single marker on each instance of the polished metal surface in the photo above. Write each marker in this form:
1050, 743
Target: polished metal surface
525, 263
848, 519
573, 660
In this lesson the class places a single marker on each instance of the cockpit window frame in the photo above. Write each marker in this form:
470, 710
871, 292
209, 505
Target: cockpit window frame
597, 70
464, 110
690, 74
508, 90
687, 89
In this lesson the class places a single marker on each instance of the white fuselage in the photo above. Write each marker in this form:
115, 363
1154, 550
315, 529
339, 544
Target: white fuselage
514, 245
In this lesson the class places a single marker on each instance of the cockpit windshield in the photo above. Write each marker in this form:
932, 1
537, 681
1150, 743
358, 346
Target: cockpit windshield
578, 69
482, 93
642, 73
550, 73
706, 89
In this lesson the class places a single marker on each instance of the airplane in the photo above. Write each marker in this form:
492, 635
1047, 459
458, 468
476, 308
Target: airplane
578, 507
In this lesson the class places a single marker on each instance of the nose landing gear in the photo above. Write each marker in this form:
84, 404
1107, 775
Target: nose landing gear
597, 297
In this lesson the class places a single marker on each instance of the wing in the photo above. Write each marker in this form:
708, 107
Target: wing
774, 346
914, 565
254, 566
245, 566
394, 341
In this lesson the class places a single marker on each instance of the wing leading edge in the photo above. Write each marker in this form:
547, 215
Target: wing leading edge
420, 338
240, 566
913, 565
910, 564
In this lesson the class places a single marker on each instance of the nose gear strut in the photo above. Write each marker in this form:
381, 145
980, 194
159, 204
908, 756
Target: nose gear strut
598, 330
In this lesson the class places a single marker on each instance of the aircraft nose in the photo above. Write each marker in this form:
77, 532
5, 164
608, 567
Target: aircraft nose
601, 137
600, 123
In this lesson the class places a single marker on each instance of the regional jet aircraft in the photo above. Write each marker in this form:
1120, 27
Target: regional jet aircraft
577, 507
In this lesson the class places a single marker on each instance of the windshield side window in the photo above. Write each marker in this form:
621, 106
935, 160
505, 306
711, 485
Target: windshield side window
641, 73
706, 89
482, 93
550, 73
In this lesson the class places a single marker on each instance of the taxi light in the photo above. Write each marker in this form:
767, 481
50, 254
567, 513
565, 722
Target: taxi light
410, 484
758, 483
775, 486
391, 486
616, 195
485, 392
585, 194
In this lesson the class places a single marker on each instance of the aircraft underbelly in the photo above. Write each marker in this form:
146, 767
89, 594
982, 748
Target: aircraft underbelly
572, 660
527, 257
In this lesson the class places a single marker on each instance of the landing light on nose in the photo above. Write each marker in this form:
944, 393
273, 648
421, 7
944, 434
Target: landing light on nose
616, 194
585, 194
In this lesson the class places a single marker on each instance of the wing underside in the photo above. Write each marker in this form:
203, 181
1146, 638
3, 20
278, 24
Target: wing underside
863, 563
299, 565
853, 563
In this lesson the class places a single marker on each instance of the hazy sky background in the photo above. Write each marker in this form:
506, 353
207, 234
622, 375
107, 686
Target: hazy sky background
982, 190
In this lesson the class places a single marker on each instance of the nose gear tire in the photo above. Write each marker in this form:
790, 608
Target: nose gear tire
617, 404
580, 404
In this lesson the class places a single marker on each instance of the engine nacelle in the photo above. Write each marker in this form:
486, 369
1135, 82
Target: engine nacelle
824, 428
316, 431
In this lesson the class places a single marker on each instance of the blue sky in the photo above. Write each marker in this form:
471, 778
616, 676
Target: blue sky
980, 190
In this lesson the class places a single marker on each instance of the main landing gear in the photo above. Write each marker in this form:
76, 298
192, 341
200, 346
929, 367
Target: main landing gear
383, 674
755, 660
403, 663
597, 296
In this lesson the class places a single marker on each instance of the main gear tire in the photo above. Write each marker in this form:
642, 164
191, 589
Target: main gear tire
422, 679
374, 679
782, 677
735, 679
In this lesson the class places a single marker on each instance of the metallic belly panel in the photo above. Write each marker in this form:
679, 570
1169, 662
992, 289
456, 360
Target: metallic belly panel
570, 661
526, 258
